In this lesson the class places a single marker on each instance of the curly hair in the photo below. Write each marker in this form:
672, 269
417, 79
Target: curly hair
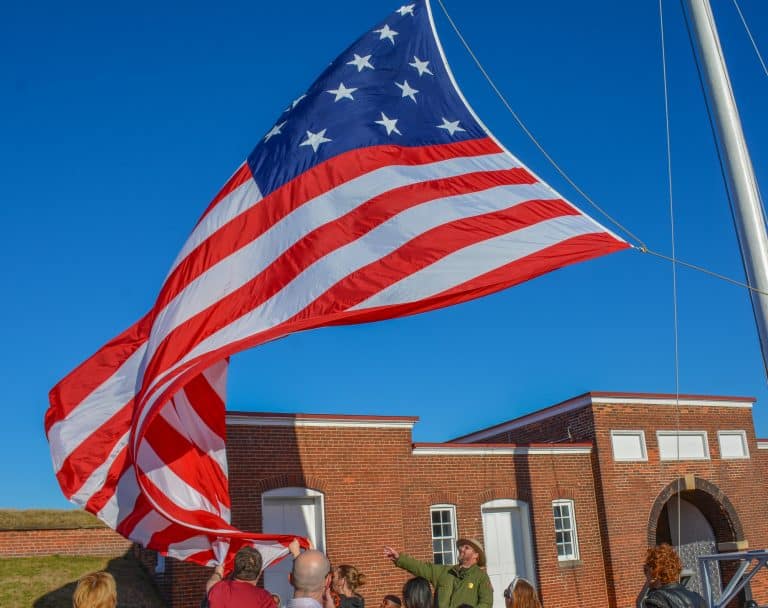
352, 575
662, 564
95, 590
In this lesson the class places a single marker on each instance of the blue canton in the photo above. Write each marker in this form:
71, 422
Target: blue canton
390, 87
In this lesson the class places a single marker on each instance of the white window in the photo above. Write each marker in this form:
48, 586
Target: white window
683, 445
444, 534
565, 530
629, 445
733, 444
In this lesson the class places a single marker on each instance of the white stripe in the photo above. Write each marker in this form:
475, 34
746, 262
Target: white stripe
93, 411
237, 269
241, 199
96, 479
121, 503
180, 414
148, 525
324, 273
183, 549
480, 258
174, 487
216, 375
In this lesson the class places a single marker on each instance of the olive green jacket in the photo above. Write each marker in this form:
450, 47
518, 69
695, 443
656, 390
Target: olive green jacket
453, 585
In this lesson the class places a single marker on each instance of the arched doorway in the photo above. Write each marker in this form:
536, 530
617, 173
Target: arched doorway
695, 516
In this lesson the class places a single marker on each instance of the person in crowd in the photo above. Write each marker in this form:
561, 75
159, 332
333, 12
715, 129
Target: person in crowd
95, 590
346, 581
464, 583
417, 593
662, 569
240, 588
390, 601
521, 594
311, 579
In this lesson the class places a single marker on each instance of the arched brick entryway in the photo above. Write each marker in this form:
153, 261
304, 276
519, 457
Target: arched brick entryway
708, 519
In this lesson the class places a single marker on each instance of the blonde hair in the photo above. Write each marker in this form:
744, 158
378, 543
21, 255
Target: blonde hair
352, 575
95, 590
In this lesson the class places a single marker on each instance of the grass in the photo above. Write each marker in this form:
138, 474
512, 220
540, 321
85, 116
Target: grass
47, 519
48, 582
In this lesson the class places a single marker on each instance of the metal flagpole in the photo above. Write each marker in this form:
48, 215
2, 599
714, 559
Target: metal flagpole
748, 216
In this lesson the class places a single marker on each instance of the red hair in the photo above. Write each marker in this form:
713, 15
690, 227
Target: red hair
663, 564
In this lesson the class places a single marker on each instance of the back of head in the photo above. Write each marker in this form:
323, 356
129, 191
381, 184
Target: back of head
663, 565
309, 573
95, 590
247, 564
521, 594
417, 593
352, 575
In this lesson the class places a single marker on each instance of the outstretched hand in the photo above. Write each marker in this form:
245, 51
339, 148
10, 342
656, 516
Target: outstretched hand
391, 553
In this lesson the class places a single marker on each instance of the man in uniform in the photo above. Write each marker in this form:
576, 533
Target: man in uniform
464, 583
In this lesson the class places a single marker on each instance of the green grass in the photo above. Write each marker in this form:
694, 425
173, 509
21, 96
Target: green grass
47, 519
48, 582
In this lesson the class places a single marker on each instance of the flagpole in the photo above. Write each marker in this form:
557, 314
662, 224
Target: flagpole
747, 210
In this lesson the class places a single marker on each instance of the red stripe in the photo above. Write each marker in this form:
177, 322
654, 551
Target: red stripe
258, 219
428, 248
186, 460
242, 175
207, 403
141, 508
91, 453
315, 245
118, 468
94, 371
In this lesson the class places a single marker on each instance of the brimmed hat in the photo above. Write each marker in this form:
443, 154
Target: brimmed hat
477, 546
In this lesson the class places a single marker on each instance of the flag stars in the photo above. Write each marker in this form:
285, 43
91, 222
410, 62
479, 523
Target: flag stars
294, 103
390, 124
315, 139
361, 62
406, 9
451, 127
276, 130
407, 90
421, 66
385, 32
342, 92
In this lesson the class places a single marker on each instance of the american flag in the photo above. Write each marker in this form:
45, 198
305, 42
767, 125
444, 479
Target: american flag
377, 193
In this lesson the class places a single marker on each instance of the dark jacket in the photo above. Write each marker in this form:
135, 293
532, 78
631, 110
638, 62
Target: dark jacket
351, 601
673, 595
453, 585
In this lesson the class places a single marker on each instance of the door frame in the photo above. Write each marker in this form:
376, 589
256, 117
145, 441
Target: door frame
525, 524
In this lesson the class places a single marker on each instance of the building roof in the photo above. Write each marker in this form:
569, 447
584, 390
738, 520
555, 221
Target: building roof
319, 420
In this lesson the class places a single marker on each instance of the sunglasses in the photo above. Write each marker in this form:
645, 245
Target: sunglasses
509, 591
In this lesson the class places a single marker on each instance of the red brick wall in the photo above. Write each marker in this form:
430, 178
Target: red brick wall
574, 425
630, 489
83, 541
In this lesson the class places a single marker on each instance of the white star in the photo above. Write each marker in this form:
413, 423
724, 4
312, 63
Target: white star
451, 127
390, 124
407, 90
421, 66
361, 62
342, 92
275, 131
406, 9
385, 32
315, 139
294, 103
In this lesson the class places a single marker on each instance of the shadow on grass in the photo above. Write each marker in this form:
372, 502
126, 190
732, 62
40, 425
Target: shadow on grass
134, 587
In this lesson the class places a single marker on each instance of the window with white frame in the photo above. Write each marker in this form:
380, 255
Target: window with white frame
565, 530
443, 534
733, 444
683, 445
628, 445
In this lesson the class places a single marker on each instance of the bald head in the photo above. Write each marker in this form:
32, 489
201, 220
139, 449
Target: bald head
310, 573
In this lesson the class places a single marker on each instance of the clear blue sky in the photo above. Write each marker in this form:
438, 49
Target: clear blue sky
120, 121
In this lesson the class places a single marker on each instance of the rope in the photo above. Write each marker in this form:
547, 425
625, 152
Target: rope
674, 264
751, 39
530, 135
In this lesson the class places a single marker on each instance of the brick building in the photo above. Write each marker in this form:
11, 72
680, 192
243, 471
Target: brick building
568, 496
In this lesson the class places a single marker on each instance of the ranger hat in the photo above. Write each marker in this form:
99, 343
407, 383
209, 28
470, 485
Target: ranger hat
477, 546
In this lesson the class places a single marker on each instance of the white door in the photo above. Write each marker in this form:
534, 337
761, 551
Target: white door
508, 549
290, 511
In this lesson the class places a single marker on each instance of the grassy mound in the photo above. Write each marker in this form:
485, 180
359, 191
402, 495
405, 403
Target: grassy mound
47, 519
